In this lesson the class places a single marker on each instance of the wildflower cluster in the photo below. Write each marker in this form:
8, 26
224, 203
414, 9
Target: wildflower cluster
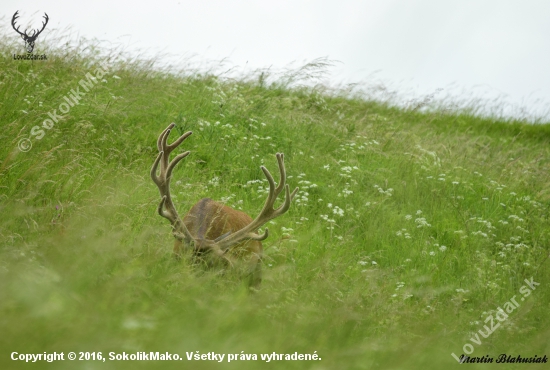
302, 197
336, 211
488, 225
388, 192
353, 147
346, 171
204, 124
346, 191
398, 286
403, 233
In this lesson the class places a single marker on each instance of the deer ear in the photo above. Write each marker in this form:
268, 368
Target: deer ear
222, 236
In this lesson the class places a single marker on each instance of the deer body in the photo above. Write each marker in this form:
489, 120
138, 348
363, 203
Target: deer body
213, 231
211, 220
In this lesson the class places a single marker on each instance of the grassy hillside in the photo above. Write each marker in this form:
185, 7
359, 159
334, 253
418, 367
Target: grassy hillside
409, 230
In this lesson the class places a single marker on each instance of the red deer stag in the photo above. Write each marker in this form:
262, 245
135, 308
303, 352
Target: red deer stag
212, 230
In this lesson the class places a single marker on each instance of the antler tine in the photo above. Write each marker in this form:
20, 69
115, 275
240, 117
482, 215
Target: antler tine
178, 141
282, 172
155, 167
286, 205
13, 19
272, 188
161, 210
174, 162
163, 139
161, 136
294, 193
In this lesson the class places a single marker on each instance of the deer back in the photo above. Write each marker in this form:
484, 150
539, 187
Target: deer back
210, 220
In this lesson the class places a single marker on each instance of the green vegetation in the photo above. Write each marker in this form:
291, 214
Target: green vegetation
410, 227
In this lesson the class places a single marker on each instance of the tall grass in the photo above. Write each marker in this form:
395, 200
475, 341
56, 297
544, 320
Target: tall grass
409, 229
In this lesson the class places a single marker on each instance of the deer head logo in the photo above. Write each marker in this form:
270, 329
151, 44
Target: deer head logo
29, 39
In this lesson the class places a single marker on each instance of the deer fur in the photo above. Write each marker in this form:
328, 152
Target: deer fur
210, 220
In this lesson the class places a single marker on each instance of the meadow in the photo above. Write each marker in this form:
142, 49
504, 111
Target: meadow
410, 229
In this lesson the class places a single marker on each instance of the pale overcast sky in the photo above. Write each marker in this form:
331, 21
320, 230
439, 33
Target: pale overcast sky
486, 48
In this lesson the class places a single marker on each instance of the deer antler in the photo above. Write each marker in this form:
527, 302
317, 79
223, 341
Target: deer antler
267, 213
13, 19
166, 207
35, 33
29, 39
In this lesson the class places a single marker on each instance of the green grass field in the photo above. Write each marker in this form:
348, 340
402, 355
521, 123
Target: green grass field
410, 229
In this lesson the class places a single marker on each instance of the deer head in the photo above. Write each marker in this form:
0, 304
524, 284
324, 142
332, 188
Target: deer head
29, 39
210, 228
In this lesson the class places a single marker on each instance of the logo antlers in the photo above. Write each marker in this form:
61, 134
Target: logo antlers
29, 39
